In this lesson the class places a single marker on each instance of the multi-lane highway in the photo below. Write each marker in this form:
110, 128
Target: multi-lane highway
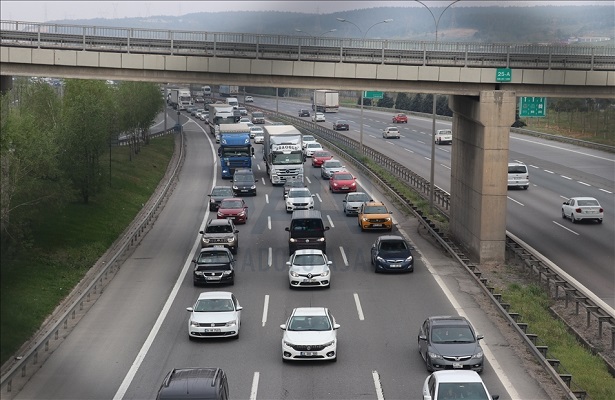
137, 331
557, 171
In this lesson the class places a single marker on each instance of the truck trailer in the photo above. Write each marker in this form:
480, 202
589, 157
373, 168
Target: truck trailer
228, 91
220, 114
283, 154
326, 101
235, 149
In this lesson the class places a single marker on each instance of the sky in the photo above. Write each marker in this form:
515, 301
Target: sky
42, 11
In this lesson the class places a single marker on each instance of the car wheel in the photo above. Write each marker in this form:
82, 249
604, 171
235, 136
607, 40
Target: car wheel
599, 221
284, 360
236, 336
334, 359
525, 187
563, 214
572, 218
191, 338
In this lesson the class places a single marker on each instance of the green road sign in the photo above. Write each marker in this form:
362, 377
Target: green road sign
503, 75
373, 95
532, 106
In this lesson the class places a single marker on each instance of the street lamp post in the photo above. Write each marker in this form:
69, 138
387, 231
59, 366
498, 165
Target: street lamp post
433, 122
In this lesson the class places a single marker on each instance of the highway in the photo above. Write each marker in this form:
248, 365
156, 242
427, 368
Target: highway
137, 331
557, 171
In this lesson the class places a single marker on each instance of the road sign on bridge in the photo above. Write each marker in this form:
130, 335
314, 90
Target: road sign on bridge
373, 95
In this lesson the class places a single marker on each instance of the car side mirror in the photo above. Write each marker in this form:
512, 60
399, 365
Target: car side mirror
336, 326
283, 327
209, 195
239, 308
194, 261
236, 231
202, 232
479, 337
329, 262
422, 337
287, 229
327, 228
288, 263
390, 212
190, 309
343, 201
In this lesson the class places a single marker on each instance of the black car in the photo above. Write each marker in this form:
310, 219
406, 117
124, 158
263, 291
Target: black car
214, 265
194, 383
244, 182
220, 232
219, 193
449, 342
392, 253
292, 183
304, 113
341, 125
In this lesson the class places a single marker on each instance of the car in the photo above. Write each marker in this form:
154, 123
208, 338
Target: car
374, 215
198, 115
258, 117
292, 183
199, 100
444, 136
299, 199
320, 157
341, 125
329, 167
391, 132
219, 193
248, 99
214, 265
307, 139
447, 385
391, 253
318, 117
450, 342
220, 232
307, 231
244, 182
518, 175
400, 118
304, 113
582, 208
311, 148
214, 315
194, 383
309, 268
205, 116
353, 201
342, 181
243, 111
244, 120
256, 130
310, 333
259, 138
235, 209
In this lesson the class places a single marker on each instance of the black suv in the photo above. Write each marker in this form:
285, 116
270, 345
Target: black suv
304, 113
244, 182
194, 383
219, 193
392, 253
214, 265
220, 232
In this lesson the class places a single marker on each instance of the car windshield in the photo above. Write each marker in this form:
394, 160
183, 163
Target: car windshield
461, 390
233, 204
357, 197
219, 229
309, 323
308, 138
213, 258
375, 210
393, 245
243, 178
588, 202
344, 177
341, 121
299, 193
314, 145
452, 334
222, 191
309, 259
214, 305
321, 154
333, 164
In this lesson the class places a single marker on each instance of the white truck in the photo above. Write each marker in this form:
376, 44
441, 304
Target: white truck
228, 90
219, 114
282, 152
184, 99
326, 101
444, 136
232, 101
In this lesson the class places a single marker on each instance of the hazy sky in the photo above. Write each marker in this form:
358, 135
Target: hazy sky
41, 11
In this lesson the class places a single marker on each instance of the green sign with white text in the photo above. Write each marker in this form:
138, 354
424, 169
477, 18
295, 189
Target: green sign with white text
532, 106
503, 75
373, 95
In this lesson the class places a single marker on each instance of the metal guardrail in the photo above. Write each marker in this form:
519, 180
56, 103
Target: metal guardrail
305, 48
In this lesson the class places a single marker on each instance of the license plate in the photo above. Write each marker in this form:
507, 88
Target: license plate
231, 217
212, 278
457, 365
309, 280
308, 353
244, 190
377, 225
345, 187
213, 330
395, 265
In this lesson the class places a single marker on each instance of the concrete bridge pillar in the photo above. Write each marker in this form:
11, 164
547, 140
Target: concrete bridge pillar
6, 83
479, 171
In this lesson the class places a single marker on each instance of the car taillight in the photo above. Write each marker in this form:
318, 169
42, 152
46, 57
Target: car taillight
578, 210
601, 210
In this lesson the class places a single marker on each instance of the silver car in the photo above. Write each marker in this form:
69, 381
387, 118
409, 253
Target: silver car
309, 268
299, 199
353, 201
329, 167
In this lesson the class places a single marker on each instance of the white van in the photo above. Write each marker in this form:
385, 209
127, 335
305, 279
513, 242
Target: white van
518, 176
232, 101
444, 136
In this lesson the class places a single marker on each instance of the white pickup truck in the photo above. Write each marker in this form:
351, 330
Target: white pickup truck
444, 136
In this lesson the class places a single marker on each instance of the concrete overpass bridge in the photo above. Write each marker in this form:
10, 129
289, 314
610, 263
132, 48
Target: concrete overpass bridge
483, 103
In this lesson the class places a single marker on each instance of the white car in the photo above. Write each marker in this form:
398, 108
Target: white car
309, 268
391, 132
256, 130
306, 139
299, 199
248, 99
259, 138
329, 167
310, 334
580, 208
245, 120
452, 384
215, 314
318, 117
311, 148
444, 136
518, 175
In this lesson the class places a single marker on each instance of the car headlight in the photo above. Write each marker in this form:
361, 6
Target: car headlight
325, 273
289, 344
194, 324
387, 219
353, 184
227, 272
235, 187
212, 200
200, 273
364, 219
232, 239
220, 214
241, 214
231, 323
331, 343
205, 240
322, 239
253, 187
433, 355
294, 274
409, 259
479, 354
334, 184
380, 259
293, 240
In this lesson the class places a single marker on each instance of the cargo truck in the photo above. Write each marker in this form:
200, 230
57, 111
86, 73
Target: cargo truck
326, 101
235, 149
283, 154
220, 114
228, 91
184, 99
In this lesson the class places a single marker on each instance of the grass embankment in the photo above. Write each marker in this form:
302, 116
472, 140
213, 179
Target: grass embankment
67, 243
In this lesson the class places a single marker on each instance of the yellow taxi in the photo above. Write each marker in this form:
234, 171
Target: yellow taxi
375, 215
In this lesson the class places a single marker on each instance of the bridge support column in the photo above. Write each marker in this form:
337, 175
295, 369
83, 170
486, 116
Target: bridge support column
6, 83
479, 172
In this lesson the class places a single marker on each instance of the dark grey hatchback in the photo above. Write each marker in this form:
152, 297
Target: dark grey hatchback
219, 193
392, 253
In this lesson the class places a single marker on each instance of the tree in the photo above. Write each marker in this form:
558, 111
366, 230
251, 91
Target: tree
415, 102
386, 101
402, 102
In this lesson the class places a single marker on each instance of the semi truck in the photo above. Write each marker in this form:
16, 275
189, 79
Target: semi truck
283, 154
326, 101
235, 149
228, 90
180, 99
220, 114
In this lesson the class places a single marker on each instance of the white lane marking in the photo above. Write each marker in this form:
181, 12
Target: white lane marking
534, 166
565, 177
372, 135
330, 221
445, 166
344, 256
564, 149
263, 179
254, 390
379, 393
606, 191
270, 257
359, 309
409, 151
562, 226
265, 308
266, 198
420, 141
549, 172
269, 222
386, 141
318, 196
583, 183
428, 158
258, 166
511, 199
308, 179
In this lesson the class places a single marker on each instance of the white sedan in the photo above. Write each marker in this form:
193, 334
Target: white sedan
309, 268
461, 384
318, 117
310, 334
311, 148
299, 199
256, 130
391, 132
215, 314
580, 208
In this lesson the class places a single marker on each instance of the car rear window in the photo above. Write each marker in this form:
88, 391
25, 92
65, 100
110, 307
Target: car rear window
517, 169
588, 203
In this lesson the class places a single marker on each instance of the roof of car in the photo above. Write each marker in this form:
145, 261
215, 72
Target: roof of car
224, 221
308, 251
391, 237
222, 187
448, 319
215, 249
215, 295
583, 198
310, 311
200, 381
457, 376
374, 203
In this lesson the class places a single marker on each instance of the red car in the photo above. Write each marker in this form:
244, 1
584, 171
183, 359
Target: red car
235, 209
400, 119
342, 182
320, 157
